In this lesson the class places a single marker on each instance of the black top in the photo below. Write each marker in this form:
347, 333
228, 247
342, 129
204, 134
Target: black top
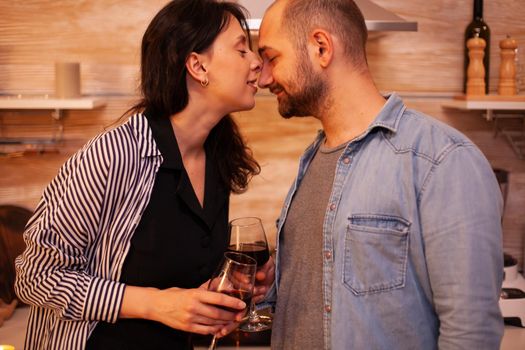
177, 243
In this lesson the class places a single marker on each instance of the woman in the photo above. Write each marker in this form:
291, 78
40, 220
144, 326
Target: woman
136, 221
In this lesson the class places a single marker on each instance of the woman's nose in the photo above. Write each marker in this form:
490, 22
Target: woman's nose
256, 64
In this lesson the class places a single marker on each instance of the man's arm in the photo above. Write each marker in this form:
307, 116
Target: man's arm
460, 209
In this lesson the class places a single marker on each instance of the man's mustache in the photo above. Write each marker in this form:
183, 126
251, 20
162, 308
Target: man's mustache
275, 88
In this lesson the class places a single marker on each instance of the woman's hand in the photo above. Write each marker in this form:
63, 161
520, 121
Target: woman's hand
191, 310
263, 280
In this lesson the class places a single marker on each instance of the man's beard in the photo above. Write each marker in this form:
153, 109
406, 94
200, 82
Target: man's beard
308, 96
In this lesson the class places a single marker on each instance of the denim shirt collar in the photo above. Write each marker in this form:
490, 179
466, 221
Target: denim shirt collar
390, 114
388, 118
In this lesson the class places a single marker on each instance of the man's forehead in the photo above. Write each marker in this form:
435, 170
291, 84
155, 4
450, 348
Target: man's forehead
270, 26
273, 15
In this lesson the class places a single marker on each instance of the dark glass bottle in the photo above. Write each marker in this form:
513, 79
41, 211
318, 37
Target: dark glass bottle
480, 28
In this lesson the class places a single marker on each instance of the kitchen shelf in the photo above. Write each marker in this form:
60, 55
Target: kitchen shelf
497, 108
50, 103
485, 105
55, 105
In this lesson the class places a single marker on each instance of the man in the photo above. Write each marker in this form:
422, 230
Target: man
390, 236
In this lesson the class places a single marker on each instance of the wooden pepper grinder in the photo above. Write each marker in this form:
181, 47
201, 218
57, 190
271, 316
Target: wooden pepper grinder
476, 70
507, 69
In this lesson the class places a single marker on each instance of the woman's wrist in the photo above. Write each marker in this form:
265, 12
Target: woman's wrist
138, 302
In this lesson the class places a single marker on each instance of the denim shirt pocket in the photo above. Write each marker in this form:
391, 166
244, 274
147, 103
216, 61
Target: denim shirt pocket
375, 255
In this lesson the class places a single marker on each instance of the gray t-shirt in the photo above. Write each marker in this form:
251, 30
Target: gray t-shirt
298, 319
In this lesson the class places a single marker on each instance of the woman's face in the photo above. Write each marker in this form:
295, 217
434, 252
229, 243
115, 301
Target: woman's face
233, 70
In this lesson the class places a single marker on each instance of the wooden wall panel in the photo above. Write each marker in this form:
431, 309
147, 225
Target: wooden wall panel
104, 35
431, 59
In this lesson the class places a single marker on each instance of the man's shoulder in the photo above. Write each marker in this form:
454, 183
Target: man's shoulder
425, 136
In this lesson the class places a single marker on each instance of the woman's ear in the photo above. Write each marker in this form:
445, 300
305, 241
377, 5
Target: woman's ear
196, 67
323, 47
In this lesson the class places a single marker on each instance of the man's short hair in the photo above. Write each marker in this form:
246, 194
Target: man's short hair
342, 18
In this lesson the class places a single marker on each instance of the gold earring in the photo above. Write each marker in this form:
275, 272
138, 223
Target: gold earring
205, 82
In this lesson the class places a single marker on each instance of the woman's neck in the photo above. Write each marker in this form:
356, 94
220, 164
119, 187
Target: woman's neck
192, 127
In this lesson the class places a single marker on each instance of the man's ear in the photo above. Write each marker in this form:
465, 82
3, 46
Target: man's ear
323, 47
196, 67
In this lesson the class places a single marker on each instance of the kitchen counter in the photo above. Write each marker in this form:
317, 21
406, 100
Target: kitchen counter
13, 333
513, 339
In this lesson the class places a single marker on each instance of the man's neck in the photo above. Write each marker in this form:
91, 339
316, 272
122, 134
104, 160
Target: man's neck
353, 105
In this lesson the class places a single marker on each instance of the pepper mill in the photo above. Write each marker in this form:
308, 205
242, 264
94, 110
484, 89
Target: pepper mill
507, 69
476, 70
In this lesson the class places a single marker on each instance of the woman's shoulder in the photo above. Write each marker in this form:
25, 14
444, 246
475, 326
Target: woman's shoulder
129, 137
126, 134
124, 144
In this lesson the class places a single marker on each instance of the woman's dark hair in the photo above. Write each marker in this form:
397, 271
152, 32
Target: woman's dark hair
180, 28
12, 222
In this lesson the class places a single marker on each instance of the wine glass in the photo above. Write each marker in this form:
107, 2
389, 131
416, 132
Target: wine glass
234, 277
247, 237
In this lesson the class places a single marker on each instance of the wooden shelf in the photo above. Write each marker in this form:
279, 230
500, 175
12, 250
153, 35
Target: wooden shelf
13, 102
486, 104
497, 107
55, 105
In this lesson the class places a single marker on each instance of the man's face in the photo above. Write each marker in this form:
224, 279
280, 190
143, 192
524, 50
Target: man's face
287, 71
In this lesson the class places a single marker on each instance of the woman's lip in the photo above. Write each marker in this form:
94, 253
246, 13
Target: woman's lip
254, 86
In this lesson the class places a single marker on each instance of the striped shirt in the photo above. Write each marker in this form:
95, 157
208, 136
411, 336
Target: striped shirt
80, 234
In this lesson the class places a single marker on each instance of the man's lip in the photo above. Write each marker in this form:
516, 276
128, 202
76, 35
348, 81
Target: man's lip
277, 92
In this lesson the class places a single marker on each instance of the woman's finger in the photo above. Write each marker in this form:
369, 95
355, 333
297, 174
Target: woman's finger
203, 329
222, 300
225, 330
206, 321
217, 313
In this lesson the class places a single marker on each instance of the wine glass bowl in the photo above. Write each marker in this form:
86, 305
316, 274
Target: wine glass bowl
235, 277
247, 237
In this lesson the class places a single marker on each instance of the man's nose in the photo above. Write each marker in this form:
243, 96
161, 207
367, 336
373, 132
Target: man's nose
265, 78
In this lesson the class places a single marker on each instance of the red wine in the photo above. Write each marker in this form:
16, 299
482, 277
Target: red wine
258, 251
477, 27
244, 295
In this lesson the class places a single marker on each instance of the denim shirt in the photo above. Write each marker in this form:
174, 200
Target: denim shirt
412, 239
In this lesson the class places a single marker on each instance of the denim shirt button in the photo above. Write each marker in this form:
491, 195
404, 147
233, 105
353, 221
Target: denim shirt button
328, 254
346, 160
328, 308
332, 206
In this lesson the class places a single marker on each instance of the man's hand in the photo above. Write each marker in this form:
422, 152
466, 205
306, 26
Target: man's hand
263, 280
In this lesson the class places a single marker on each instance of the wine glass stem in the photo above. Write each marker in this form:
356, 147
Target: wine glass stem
254, 316
213, 344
